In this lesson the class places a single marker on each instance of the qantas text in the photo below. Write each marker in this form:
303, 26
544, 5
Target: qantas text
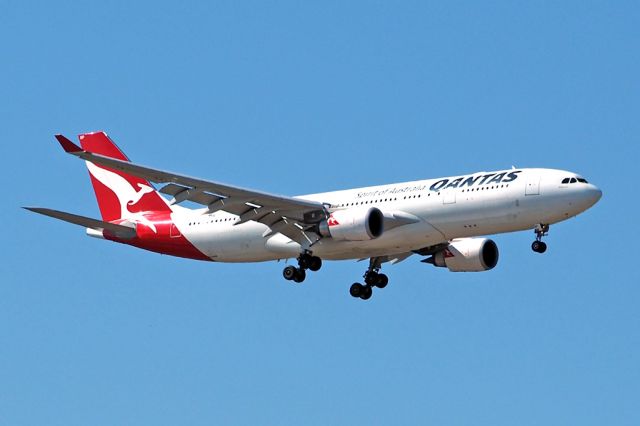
488, 179
461, 182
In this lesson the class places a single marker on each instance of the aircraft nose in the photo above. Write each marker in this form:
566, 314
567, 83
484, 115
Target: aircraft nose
595, 194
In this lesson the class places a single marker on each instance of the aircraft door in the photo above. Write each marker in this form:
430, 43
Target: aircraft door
533, 186
449, 196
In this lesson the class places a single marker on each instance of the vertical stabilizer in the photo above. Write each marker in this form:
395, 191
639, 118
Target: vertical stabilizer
119, 195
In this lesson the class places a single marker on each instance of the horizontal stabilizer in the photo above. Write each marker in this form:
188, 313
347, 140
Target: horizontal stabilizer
120, 231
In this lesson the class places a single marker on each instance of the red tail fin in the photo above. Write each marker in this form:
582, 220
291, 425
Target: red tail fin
119, 195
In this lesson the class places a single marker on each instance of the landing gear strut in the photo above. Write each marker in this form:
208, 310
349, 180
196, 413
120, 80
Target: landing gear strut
372, 278
305, 261
538, 245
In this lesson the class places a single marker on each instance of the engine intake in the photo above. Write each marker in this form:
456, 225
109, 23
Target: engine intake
467, 255
358, 224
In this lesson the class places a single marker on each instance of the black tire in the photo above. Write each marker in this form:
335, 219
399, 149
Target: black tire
300, 275
303, 261
383, 280
289, 272
542, 248
356, 289
366, 294
371, 278
535, 246
315, 263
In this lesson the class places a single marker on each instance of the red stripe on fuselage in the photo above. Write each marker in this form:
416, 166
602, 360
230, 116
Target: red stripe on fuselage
163, 240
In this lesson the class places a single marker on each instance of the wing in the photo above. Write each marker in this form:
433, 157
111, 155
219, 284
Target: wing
293, 217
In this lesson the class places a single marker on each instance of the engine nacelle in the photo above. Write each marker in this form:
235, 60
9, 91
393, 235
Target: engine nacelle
467, 255
359, 224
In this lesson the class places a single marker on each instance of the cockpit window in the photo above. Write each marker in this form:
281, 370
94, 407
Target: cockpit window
574, 180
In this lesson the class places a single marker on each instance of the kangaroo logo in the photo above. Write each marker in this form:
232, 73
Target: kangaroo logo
126, 194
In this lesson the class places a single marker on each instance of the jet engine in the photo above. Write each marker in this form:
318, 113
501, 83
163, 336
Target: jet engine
359, 224
467, 255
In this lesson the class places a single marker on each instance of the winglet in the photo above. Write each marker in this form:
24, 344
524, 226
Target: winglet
67, 145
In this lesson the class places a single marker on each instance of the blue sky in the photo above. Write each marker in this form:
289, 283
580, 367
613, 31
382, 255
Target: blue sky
302, 97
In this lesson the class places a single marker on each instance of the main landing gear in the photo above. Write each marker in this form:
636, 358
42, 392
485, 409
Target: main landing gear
538, 245
305, 261
372, 278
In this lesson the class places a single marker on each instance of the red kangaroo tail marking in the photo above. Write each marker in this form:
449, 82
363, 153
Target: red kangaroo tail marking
119, 195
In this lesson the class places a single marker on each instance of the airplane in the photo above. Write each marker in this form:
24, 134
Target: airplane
444, 220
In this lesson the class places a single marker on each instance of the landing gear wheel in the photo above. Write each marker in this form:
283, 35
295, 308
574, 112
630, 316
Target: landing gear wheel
371, 278
314, 263
541, 230
375, 279
303, 261
300, 275
356, 289
289, 272
367, 292
382, 281
539, 246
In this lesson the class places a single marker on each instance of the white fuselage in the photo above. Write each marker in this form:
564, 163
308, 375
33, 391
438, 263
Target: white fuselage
443, 209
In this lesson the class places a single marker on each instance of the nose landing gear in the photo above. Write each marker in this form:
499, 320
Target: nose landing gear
305, 261
541, 230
